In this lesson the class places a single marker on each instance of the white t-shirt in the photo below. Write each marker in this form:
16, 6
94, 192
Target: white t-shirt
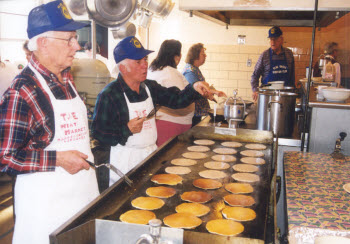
169, 77
8, 72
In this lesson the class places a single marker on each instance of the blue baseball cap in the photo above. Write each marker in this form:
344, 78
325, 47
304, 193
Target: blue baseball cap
275, 32
130, 47
53, 16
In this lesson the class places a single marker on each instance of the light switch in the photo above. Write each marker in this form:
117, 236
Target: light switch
249, 62
241, 39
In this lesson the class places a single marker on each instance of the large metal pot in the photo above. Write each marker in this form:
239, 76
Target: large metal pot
111, 13
275, 112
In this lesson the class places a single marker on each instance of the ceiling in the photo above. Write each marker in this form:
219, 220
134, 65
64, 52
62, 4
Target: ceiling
270, 17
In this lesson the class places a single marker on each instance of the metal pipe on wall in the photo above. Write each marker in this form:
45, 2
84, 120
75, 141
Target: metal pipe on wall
147, 38
306, 107
93, 38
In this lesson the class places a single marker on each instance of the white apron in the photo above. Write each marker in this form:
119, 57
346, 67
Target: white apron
45, 200
139, 145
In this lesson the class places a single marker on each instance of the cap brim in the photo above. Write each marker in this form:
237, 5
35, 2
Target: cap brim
141, 55
72, 26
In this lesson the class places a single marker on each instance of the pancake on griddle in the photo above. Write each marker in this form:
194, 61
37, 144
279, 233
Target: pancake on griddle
196, 196
160, 191
182, 220
167, 179
212, 174
239, 200
251, 160
178, 170
194, 155
252, 153
198, 149
204, 142
183, 162
194, 208
224, 150
216, 165
231, 144
246, 177
256, 146
224, 227
239, 213
147, 203
207, 184
239, 188
224, 158
137, 216
248, 168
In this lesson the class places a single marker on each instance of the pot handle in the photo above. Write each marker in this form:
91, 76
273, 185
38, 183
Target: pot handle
274, 101
243, 105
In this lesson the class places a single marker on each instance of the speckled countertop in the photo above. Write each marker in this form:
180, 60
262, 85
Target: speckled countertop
314, 191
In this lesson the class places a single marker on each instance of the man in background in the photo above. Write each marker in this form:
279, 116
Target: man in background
274, 64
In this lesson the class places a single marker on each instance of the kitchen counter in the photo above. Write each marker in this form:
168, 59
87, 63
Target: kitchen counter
313, 102
314, 191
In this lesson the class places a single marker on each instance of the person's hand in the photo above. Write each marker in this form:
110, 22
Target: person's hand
218, 93
135, 125
202, 88
255, 96
72, 161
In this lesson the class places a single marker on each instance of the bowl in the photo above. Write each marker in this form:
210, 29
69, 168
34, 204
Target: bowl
276, 84
336, 94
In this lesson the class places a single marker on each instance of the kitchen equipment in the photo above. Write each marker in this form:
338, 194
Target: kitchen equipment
153, 112
77, 7
114, 169
161, 8
269, 88
275, 112
127, 29
234, 111
328, 73
276, 84
116, 199
110, 13
337, 150
334, 94
90, 76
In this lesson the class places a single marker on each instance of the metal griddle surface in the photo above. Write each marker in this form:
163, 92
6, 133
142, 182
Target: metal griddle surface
254, 229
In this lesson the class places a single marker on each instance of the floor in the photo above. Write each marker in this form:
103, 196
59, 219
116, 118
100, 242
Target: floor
6, 210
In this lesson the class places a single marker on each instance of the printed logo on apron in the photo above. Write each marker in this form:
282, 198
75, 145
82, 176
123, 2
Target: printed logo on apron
278, 70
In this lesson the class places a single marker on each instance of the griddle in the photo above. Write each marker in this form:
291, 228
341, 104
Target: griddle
117, 199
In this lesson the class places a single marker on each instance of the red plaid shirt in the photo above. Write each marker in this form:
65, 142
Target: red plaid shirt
27, 122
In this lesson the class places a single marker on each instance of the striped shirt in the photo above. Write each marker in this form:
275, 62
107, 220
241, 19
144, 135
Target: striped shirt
262, 67
27, 122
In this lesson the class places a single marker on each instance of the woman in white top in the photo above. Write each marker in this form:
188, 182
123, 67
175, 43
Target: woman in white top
170, 122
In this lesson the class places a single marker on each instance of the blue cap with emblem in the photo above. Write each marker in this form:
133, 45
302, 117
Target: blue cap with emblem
131, 48
275, 32
53, 16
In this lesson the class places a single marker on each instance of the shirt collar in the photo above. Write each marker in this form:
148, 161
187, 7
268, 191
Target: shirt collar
47, 73
282, 51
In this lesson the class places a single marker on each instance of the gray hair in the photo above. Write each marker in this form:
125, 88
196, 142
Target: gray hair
125, 63
32, 43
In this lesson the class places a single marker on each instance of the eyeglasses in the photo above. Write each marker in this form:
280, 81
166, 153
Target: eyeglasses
70, 40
